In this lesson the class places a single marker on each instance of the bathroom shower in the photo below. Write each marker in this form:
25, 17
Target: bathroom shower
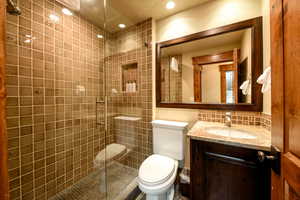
81, 135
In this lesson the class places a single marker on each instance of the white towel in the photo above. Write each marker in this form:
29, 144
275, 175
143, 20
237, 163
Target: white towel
174, 64
114, 91
245, 87
265, 80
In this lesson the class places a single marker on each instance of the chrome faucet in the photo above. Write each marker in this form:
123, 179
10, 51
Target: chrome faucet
228, 119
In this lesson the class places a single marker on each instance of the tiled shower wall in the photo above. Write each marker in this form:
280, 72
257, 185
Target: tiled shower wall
171, 83
54, 74
132, 45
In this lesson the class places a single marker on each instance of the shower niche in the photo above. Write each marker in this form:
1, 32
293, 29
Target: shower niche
130, 78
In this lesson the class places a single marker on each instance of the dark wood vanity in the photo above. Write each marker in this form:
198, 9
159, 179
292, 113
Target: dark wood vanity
225, 172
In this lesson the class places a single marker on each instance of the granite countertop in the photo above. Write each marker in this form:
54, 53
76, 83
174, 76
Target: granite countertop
258, 138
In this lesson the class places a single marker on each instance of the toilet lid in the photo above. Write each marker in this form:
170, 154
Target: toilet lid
156, 169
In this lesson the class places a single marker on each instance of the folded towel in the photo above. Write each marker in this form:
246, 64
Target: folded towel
267, 86
245, 87
114, 91
174, 64
265, 80
264, 77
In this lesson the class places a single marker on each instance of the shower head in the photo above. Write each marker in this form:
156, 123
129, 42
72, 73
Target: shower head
12, 8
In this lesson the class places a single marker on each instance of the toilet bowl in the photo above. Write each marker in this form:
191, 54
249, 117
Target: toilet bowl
158, 172
156, 177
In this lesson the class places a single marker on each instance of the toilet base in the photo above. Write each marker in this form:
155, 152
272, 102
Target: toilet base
169, 195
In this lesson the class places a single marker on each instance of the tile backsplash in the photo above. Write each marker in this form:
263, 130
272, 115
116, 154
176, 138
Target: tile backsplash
238, 117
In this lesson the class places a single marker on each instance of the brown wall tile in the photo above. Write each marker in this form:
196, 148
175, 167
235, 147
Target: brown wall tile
50, 117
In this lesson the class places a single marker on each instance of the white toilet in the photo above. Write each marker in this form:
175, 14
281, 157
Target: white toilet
158, 172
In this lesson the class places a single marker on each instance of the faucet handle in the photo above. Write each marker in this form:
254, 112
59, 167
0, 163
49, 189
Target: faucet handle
228, 119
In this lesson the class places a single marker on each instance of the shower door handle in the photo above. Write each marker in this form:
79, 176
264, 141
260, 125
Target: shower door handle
105, 114
99, 123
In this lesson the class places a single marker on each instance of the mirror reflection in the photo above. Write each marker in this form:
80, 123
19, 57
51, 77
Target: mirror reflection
214, 70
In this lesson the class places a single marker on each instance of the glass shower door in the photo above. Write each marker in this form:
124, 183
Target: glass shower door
128, 70
55, 72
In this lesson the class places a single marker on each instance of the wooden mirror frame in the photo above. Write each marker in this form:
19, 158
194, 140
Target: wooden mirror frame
256, 69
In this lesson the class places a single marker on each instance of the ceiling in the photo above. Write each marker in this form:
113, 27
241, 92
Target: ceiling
130, 12
222, 40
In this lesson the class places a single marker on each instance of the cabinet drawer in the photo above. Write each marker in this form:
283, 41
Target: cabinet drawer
226, 172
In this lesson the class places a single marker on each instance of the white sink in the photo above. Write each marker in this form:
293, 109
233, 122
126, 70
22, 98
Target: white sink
229, 132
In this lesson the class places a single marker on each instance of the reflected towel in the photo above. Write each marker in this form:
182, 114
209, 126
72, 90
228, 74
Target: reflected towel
245, 87
265, 80
174, 64
114, 91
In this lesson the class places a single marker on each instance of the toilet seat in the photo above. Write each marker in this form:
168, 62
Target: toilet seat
156, 169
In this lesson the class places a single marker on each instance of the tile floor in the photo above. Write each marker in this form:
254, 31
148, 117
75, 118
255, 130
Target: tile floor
118, 176
92, 187
177, 196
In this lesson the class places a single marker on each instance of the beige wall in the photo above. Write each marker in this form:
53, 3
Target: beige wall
246, 53
206, 16
266, 50
210, 83
246, 47
187, 78
188, 73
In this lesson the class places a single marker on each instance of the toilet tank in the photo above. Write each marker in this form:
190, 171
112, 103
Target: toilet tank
169, 138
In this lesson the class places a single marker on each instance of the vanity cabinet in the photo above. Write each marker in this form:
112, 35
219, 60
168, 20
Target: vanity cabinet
224, 172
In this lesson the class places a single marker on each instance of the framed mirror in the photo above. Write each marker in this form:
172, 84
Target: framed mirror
213, 69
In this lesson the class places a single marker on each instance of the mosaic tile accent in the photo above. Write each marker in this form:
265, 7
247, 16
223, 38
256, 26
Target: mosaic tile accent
238, 117
266, 121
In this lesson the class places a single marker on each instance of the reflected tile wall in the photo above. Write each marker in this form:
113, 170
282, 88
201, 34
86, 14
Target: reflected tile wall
54, 73
171, 84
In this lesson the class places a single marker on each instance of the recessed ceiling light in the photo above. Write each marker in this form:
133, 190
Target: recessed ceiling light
122, 25
54, 18
66, 11
99, 36
170, 5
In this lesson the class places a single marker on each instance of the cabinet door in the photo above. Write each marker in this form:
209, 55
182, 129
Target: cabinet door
230, 178
228, 173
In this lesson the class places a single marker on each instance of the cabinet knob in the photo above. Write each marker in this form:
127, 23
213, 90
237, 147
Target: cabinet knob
262, 156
